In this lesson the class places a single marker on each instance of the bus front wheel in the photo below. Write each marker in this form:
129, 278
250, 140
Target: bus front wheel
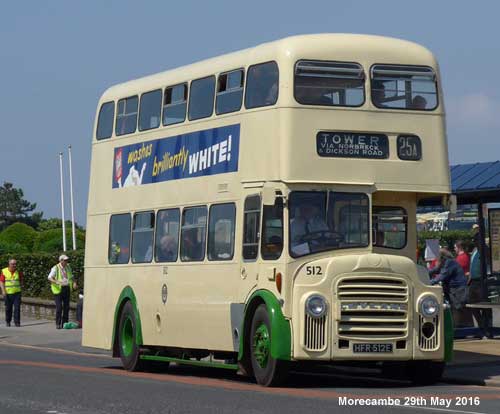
127, 333
267, 370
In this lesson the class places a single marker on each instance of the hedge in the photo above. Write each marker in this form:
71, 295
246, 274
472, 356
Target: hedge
19, 234
36, 268
50, 241
446, 239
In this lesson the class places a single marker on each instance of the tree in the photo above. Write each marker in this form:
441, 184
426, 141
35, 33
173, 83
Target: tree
56, 223
14, 208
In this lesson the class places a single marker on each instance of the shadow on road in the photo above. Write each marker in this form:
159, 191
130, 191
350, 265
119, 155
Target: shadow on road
304, 380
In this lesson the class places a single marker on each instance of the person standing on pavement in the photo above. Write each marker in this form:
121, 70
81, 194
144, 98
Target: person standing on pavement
475, 295
11, 281
462, 258
62, 282
451, 275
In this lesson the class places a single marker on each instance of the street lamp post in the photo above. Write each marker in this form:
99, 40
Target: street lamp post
71, 198
62, 200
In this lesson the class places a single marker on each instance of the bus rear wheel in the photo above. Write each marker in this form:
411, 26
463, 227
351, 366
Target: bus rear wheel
267, 370
127, 333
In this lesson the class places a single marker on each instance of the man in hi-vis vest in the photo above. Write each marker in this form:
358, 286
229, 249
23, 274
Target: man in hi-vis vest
10, 282
61, 282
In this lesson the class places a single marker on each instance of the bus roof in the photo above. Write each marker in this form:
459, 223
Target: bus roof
364, 49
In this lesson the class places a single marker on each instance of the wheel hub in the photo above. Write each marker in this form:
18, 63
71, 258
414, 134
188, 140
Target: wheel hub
261, 345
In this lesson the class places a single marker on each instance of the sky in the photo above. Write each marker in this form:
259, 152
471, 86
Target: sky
57, 57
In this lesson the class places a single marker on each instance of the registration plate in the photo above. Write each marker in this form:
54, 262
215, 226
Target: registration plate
372, 348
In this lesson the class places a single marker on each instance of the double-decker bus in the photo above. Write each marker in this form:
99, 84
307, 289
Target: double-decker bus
258, 210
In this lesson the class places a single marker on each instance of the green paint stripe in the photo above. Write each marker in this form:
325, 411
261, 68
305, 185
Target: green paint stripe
190, 362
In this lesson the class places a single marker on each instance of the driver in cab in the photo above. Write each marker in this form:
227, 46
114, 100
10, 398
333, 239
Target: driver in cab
307, 221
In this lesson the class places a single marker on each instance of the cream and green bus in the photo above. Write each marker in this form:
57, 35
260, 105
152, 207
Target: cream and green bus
257, 210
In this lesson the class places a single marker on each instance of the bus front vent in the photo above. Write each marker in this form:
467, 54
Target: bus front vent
428, 334
315, 333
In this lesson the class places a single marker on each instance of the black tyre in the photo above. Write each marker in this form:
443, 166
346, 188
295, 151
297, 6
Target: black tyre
267, 370
127, 333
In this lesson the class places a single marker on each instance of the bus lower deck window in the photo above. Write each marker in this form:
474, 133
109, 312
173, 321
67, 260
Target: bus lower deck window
193, 231
251, 227
221, 231
272, 231
119, 239
390, 226
142, 237
167, 235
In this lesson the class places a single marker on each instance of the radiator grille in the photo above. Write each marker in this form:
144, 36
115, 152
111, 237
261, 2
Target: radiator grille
428, 343
373, 307
315, 333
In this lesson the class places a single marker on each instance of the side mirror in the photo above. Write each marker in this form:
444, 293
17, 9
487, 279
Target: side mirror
268, 196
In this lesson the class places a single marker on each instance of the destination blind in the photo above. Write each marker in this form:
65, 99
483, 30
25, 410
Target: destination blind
352, 145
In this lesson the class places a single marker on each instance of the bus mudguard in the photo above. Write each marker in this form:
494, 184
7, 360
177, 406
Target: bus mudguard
127, 295
281, 337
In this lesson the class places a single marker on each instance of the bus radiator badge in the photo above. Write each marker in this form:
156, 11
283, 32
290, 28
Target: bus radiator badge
164, 294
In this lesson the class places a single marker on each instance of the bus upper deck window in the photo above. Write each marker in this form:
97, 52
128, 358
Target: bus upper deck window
201, 98
262, 85
175, 104
150, 110
229, 92
126, 116
404, 87
329, 83
105, 120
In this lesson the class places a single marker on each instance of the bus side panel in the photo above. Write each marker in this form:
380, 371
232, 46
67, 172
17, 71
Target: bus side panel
98, 309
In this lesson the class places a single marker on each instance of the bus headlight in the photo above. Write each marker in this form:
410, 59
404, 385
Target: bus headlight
316, 306
428, 306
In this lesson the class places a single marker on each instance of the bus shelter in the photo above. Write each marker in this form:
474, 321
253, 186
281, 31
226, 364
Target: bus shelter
479, 184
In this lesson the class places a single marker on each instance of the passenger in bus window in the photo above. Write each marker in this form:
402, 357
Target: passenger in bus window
378, 93
168, 249
418, 102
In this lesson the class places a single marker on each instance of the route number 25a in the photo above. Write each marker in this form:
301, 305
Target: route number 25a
314, 271
409, 147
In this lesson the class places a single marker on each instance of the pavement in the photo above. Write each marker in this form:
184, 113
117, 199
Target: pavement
475, 362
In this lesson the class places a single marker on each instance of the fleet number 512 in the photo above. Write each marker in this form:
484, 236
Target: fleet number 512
314, 271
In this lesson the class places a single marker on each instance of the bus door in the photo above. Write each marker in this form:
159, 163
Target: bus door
249, 269
266, 230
